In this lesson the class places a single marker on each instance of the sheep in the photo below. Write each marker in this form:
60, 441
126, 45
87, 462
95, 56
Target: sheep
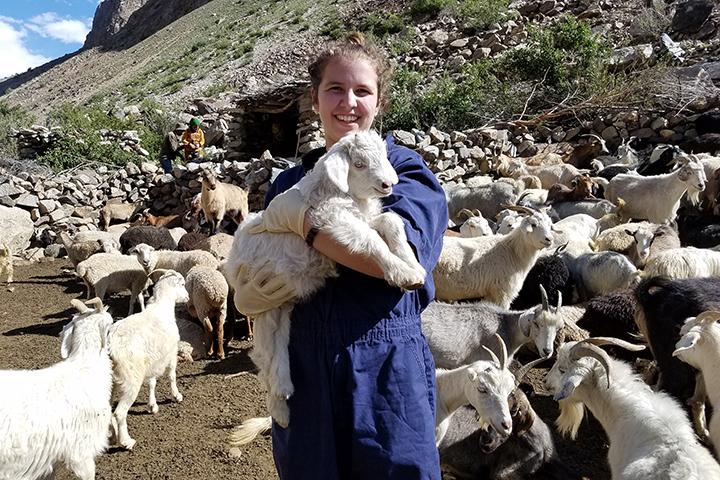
113, 273
350, 211
475, 224
177, 233
157, 237
143, 346
486, 385
580, 189
687, 262
699, 346
80, 251
654, 438
657, 198
639, 241
117, 211
190, 240
602, 272
486, 198
60, 413
219, 199
469, 451
6, 265
208, 291
98, 235
492, 268
456, 332
662, 307
551, 273
151, 259
219, 245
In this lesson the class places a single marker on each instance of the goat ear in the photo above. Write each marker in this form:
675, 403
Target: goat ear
337, 168
687, 342
66, 335
472, 375
524, 321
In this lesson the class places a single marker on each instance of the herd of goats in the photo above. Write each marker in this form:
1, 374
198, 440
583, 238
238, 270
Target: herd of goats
545, 260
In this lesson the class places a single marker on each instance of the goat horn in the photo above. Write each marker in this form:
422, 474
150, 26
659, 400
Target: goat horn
592, 135
465, 212
79, 306
582, 349
614, 341
503, 351
95, 302
561, 248
523, 370
544, 298
559, 303
477, 213
493, 357
520, 209
709, 316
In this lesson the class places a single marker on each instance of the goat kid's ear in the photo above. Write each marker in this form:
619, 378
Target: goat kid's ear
524, 321
337, 169
688, 341
66, 335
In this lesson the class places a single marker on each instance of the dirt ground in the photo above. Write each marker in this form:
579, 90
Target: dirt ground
187, 440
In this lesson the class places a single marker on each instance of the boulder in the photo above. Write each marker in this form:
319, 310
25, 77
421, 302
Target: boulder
16, 228
691, 15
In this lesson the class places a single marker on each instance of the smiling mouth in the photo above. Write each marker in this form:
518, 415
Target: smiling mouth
347, 118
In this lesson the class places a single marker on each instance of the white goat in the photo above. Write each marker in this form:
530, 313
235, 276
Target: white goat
476, 225
491, 268
345, 187
218, 199
686, 262
649, 433
6, 265
113, 273
657, 198
484, 384
143, 346
699, 346
601, 273
60, 413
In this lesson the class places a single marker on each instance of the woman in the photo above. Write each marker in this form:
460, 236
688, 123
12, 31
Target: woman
364, 401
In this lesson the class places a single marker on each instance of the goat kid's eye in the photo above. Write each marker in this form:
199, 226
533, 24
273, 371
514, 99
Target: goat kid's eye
482, 390
359, 165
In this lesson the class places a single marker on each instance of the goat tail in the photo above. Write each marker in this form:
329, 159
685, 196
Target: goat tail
248, 430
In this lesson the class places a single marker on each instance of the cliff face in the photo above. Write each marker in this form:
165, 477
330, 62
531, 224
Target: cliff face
119, 24
110, 17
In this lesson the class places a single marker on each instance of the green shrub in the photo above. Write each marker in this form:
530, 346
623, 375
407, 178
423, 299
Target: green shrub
333, 28
427, 8
480, 14
382, 24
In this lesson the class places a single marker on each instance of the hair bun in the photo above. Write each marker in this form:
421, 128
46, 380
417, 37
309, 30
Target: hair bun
356, 38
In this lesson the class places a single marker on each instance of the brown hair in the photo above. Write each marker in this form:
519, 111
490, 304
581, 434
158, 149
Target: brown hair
353, 47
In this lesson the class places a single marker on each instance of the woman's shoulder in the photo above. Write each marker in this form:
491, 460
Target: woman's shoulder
400, 155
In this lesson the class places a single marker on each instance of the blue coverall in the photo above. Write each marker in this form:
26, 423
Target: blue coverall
364, 378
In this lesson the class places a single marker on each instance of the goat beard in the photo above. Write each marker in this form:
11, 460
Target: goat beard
693, 195
571, 415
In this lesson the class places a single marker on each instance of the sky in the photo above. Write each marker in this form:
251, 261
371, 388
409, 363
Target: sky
33, 32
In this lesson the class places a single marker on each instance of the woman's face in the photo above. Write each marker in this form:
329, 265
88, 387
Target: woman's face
347, 98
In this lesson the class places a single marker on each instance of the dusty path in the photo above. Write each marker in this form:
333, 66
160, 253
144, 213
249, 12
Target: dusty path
186, 440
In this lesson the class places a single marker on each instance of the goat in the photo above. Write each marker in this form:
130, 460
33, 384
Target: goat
699, 346
486, 198
218, 199
6, 265
649, 434
117, 211
143, 346
345, 186
62, 412
601, 273
492, 268
582, 155
581, 188
657, 198
457, 332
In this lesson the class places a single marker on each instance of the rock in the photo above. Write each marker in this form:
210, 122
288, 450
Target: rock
27, 200
643, 133
691, 15
659, 123
430, 153
404, 138
625, 57
54, 250
10, 190
46, 206
459, 43
609, 133
436, 38
16, 228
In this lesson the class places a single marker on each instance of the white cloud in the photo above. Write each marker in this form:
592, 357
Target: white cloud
16, 57
67, 30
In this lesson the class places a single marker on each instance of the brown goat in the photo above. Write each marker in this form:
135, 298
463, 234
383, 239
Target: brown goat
582, 155
582, 189
167, 221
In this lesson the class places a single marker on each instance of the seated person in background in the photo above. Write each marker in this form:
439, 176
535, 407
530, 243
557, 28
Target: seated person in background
169, 150
193, 139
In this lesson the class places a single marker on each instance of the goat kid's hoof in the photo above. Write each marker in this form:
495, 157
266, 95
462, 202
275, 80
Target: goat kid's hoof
153, 408
178, 398
128, 445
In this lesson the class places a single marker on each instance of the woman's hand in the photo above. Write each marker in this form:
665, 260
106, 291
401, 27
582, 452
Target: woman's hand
285, 214
261, 290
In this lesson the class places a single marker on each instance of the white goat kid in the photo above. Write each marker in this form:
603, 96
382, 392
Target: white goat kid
650, 435
345, 187
60, 413
145, 345
699, 346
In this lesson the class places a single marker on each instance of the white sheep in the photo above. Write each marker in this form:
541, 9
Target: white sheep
345, 189
79, 251
143, 346
491, 268
218, 199
151, 259
699, 346
112, 273
650, 435
97, 235
208, 293
657, 198
60, 413
686, 262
